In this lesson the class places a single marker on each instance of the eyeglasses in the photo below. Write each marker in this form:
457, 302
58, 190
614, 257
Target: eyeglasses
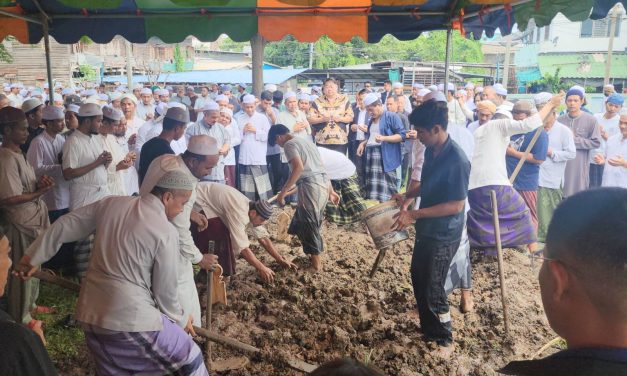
538, 256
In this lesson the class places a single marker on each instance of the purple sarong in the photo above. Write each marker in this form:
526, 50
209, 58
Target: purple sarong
514, 218
169, 351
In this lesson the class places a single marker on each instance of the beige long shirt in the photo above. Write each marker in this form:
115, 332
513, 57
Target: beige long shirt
132, 276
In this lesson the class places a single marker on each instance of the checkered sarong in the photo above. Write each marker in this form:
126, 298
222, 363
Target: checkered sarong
254, 182
351, 203
380, 185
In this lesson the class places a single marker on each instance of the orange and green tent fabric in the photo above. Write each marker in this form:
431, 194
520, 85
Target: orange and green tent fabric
306, 20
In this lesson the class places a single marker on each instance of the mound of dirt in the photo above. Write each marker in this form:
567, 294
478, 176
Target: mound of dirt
341, 312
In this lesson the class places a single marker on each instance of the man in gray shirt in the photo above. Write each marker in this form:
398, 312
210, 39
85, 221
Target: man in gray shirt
314, 189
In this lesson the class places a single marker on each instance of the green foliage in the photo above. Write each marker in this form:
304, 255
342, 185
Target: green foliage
328, 54
85, 40
87, 71
550, 82
179, 59
5, 56
228, 44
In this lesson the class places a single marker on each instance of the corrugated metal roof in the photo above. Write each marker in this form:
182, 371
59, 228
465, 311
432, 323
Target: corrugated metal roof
270, 76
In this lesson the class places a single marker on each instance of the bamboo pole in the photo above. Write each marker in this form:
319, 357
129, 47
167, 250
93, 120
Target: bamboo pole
499, 255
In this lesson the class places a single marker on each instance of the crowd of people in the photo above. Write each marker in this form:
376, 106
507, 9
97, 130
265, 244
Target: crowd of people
117, 180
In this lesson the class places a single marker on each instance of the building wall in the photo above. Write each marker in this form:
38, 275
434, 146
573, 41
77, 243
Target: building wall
29, 63
565, 36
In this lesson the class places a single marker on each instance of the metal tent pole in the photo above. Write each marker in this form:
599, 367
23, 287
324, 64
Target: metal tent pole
48, 63
447, 57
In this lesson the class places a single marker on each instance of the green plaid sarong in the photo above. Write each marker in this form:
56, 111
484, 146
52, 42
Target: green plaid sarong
351, 202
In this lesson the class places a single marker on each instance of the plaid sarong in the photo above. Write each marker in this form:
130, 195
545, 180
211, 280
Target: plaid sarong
380, 185
307, 221
351, 203
514, 218
255, 182
169, 351
548, 199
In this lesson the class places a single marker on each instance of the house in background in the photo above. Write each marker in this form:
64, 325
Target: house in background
578, 49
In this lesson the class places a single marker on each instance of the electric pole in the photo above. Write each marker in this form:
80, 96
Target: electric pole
610, 44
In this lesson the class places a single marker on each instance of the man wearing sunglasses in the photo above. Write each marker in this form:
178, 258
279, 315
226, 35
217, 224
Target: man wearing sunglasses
583, 282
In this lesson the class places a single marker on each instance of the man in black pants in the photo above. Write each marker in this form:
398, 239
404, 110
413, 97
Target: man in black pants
439, 221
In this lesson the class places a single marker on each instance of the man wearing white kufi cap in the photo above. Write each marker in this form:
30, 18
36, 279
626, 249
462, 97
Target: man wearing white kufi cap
85, 165
209, 126
230, 163
121, 161
137, 89
172, 125
14, 96
253, 172
196, 162
304, 102
145, 108
128, 106
164, 95
129, 296
44, 155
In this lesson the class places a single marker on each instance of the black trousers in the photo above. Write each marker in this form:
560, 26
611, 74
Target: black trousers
275, 169
430, 263
64, 259
596, 175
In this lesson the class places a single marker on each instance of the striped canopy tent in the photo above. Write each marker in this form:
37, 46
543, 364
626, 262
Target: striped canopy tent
270, 20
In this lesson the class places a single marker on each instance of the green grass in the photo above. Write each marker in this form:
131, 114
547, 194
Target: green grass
62, 342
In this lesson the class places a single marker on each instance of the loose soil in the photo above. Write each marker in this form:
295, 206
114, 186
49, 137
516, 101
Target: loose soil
340, 312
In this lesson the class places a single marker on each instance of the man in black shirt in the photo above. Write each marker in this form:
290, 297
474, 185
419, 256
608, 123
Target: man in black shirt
174, 125
439, 221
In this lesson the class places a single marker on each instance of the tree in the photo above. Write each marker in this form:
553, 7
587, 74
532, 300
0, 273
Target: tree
5, 55
549, 82
179, 60
88, 73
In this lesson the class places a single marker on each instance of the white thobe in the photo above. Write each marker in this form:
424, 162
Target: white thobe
130, 176
562, 143
115, 181
44, 155
252, 151
289, 120
130, 280
132, 126
615, 176
143, 110
79, 150
236, 139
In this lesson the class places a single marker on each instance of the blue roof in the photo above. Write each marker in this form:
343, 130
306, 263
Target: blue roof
270, 76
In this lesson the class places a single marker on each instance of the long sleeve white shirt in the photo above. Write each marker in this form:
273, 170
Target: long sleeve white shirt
80, 150
253, 148
562, 143
43, 155
610, 126
615, 176
115, 178
491, 140
131, 277
143, 110
236, 139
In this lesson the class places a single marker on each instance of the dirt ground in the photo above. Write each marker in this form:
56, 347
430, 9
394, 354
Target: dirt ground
341, 312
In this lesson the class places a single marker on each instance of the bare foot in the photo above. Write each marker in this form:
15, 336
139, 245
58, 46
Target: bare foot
316, 263
467, 303
444, 352
44, 309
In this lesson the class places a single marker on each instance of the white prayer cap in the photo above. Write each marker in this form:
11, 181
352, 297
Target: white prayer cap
15, 86
440, 87
38, 93
68, 91
503, 111
500, 90
163, 92
203, 145
23, 92
270, 87
138, 87
221, 98
190, 88
507, 106
53, 113
469, 85
57, 97
211, 106
371, 98
479, 89
177, 114
177, 179
169, 89
434, 88
115, 96
461, 92
248, 99
289, 94
89, 109
31, 104
542, 98
397, 85
73, 108
111, 113
418, 86
304, 97
161, 108
176, 105
242, 85
103, 97
158, 168
146, 91
438, 96
578, 88
130, 97
121, 89
422, 92
449, 87
623, 112
313, 98
46, 85
90, 92
227, 111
